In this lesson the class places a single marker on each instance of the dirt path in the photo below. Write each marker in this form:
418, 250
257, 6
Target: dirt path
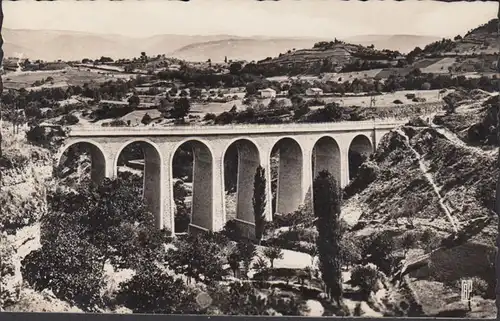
452, 137
430, 180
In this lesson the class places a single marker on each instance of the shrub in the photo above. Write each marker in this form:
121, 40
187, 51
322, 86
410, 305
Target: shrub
367, 173
37, 135
146, 119
153, 291
209, 116
69, 120
366, 277
7, 269
232, 231
71, 267
397, 102
273, 253
417, 122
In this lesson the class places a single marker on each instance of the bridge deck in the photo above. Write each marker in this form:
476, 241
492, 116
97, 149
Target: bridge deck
184, 130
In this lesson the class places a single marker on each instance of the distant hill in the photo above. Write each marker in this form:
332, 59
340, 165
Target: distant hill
241, 48
72, 45
328, 56
401, 43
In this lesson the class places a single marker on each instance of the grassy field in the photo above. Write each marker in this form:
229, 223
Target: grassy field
350, 76
387, 99
69, 76
440, 66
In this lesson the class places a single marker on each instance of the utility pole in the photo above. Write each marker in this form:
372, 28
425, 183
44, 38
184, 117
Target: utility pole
372, 100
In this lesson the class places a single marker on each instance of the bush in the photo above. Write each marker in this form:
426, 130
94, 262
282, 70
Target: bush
232, 231
366, 277
153, 291
367, 173
71, 267
397, 102
37, 135
417, 122
69, 120
209, 116
7, 269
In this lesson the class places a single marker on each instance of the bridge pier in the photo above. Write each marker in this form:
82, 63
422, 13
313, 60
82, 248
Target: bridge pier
300, 146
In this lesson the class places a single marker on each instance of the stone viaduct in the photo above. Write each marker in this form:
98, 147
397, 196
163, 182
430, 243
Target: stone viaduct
304, 149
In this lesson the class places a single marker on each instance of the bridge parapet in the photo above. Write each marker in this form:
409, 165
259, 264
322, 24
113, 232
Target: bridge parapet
234, 128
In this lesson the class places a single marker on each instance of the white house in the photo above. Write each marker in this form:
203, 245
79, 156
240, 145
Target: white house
267, 93
314, 92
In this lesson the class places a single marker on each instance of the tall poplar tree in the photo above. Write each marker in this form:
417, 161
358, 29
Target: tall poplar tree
327, 201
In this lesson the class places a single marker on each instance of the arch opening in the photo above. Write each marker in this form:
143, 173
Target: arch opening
141, 161
241, 160
286, 176
326, 156
192, 179
359, 151
81, 161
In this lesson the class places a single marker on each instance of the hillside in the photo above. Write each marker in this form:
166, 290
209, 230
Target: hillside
482, 40
333, 56
71, 45
240, 48
401, 43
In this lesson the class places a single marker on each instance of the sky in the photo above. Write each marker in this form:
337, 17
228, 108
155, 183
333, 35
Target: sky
285, 18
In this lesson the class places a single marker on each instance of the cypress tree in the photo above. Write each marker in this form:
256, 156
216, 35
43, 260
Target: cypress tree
327, 201
259, 201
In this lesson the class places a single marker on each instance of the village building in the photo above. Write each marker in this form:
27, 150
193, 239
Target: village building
314, 92
267, 93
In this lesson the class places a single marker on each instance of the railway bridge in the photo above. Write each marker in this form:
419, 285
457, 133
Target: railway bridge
304, 150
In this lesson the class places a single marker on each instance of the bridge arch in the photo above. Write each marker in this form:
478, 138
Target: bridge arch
326, 155
287, 189
246, 153
360, 149
98, 161
152, 171
201, 177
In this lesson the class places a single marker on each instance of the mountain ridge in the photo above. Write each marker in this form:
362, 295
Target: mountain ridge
76, 45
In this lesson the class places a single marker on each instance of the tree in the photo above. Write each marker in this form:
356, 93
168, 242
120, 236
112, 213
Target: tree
146, 119
259, 201
327, 201
69, 119
366, 278
181, 108
260, 265
7, 269
151, 290
235, 68
234, 260
111, 216
71, 267
198, 258
380, 251
237, 299
134, 101
247, 252
273, 253
408, 240
351, 253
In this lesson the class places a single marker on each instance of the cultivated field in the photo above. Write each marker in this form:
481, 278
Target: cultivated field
387, 100
440, 66
61, 78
